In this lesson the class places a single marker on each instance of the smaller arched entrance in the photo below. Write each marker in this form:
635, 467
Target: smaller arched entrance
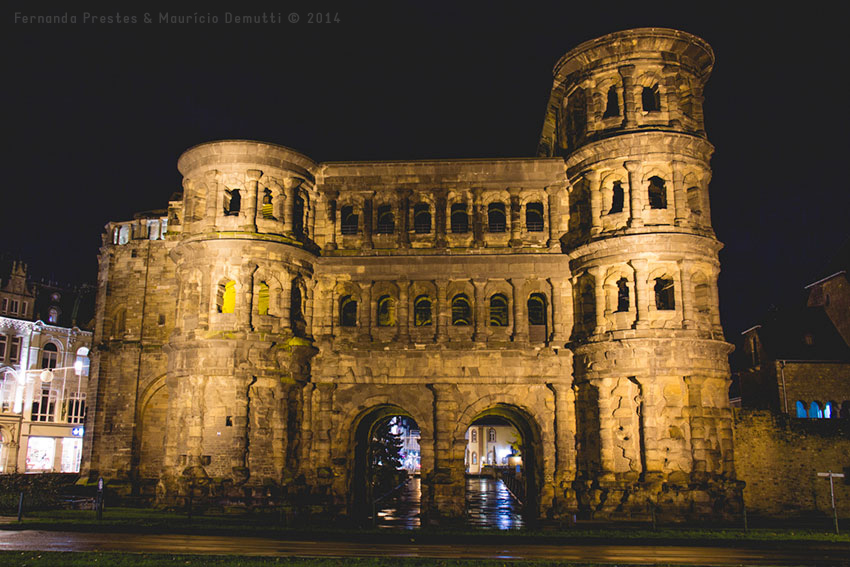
503, 467
385, 485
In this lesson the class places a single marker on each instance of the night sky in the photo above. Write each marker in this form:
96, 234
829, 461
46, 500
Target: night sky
96, 115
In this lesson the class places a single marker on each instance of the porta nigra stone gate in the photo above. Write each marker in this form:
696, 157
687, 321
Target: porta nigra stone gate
250, 335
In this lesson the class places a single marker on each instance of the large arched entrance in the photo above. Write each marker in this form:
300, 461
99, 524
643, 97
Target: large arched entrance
385, 486
503, 467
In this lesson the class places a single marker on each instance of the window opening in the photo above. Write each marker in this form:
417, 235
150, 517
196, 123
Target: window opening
496, 220
422, 218
386, 311
461, 310
617, 198
612, 106
657, 193
49, 356
347, 311
664, 299
268, 204
622, 295
534, 217
651, 99
263, 299
349, 220
386, 220
498, 311
460, 219
422, 311
537, 309
801, 409
232, 202
226, 297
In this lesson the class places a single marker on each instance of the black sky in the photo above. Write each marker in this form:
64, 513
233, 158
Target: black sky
96, 115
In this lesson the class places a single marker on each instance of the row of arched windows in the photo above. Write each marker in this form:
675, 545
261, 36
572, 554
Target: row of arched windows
225, 301
828, 410
233, 207
497, 219
461, 310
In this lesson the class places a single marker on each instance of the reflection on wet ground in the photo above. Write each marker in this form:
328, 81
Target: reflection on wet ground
402, 509
489, 504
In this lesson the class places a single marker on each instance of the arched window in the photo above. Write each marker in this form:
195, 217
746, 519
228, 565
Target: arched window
263, 299
617, 198
347, 311
348, 220
386, 311
534, 217
386, 220
49, 356
491, 435
461, 310
845, 409
225, 300
8, 385
801, 409
82, 362
815, 411
298, 215
612, 105
651, 99
53, 315
475, 436
422, 311
622, 295
232, 202
474, 458
664, 298
657, 193
422, 218
694, 200
498, 311
496, 221
268, 204
536, 309
459, 219
830, 410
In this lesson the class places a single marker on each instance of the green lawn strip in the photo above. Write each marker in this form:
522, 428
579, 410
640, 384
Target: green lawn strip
132, 520
89, 559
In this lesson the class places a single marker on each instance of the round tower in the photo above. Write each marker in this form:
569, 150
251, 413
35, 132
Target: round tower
651, 365
240, 350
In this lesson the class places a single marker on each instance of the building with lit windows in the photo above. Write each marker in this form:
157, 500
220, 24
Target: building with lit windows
44, 369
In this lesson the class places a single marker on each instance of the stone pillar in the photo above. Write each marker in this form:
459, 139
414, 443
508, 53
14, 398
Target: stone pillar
520, 319
250, 199
554, 216
442, 311
404, 218
715, 304
332, 227
290, 186
403, 311
679, 198
324, 425
440, 204
215, 204
705, 214
480, 312
595, 189
447, 480
635, 196
671, 95
687, 293
641, 268
565, 442
562, 310
286, 299
367, 221
515, 218
477, 219
627, 73
366, 311
599, 296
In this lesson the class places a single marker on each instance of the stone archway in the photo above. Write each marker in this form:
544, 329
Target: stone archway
151, 435
530, 478
365, 491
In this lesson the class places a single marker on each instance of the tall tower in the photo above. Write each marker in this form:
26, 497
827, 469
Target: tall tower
239, 354
651, 365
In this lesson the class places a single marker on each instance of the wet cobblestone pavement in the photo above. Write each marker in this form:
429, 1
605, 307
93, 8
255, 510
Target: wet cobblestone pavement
489, 504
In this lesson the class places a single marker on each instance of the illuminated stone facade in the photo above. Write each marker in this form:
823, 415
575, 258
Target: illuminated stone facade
249, 336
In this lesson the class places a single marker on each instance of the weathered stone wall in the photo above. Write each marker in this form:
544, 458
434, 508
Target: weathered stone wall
815, 381
779, 457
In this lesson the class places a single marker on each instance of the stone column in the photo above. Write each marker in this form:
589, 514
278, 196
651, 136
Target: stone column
520, 319
367, 221
214, 196
447, 480
627, 73
477, 220
324, 424
671, 96
440, 204
715, 304
479, 310
687, 294
332, 227
562, 310
250, 200
515, 218
635, 196
679, 197
565, 442
366, 311
404, 218
641, 268
442, 311
599, 296
290, 186
403, 311
595, 188
554, 216
705, 214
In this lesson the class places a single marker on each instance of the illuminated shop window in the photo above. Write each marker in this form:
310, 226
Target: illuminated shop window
41, 452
